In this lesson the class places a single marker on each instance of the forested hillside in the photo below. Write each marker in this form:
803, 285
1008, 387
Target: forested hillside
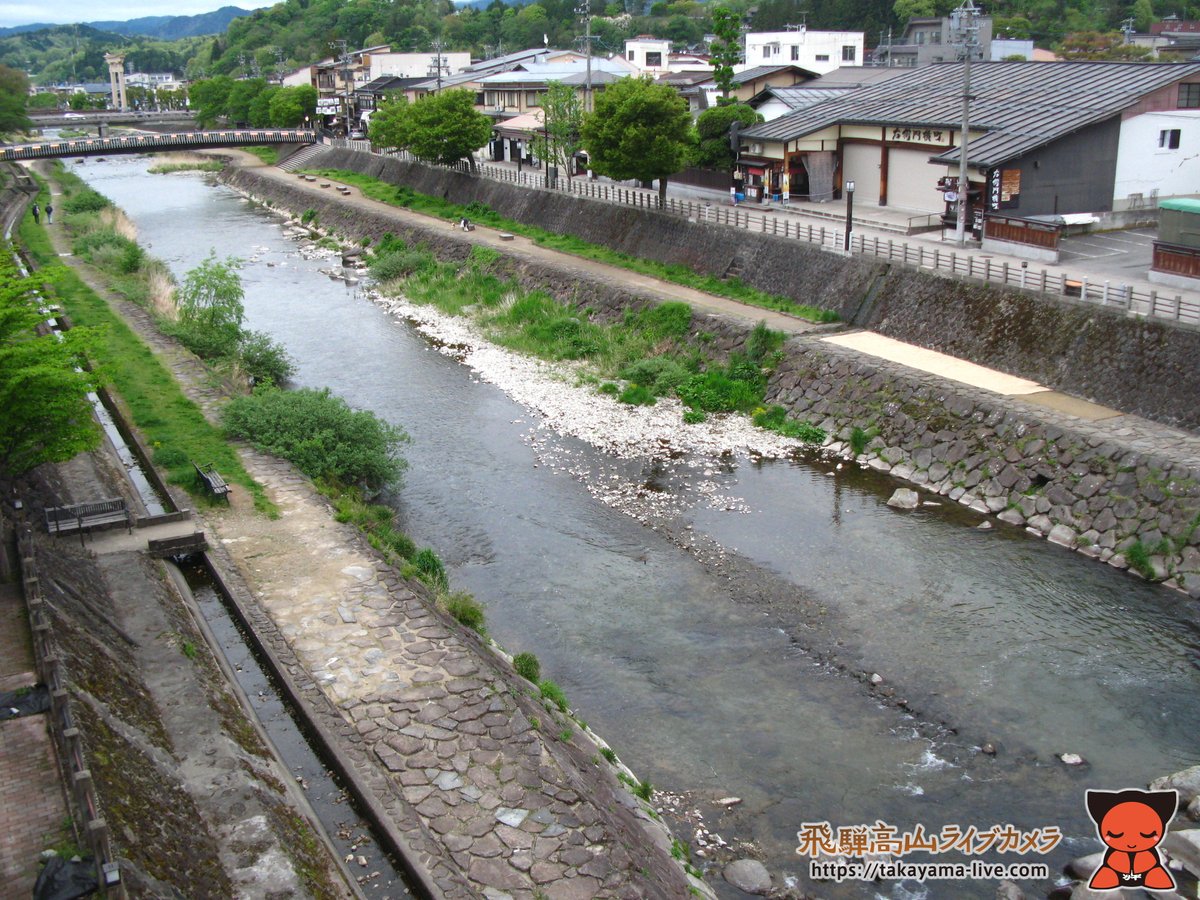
295, 32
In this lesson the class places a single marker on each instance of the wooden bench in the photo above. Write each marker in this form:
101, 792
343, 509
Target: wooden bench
81, 516
212, 480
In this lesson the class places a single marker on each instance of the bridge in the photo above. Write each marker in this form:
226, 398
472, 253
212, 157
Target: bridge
42, 118
154, 143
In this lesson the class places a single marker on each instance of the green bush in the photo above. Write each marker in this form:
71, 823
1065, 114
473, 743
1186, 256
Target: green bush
399, 263
552, 693
666, 320
466, 609
763, 342
716, 391
694, 416
264, 359
662, 374
309, 216
528, 667
85, 200
321, 434
774, 418
430, 568
860, 438
610, 387
638, 395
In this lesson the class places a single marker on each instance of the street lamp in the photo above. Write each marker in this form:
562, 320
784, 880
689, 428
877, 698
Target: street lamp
849, 214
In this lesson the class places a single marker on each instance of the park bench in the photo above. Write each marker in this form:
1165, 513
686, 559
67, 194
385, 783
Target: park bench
212, 480
63, 519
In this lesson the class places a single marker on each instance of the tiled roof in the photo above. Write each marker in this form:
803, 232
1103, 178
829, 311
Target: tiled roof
1021, 105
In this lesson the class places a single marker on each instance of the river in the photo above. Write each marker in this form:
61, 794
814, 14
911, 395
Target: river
703, 686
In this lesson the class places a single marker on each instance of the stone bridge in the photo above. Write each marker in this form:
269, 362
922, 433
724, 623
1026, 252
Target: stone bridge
153, 143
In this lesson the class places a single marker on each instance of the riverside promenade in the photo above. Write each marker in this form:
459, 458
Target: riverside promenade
489, 791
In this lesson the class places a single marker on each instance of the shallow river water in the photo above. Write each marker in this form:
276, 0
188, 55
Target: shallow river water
990, 636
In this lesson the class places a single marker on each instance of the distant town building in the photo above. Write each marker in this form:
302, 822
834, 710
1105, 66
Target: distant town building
651, 55
816, 51
930, 40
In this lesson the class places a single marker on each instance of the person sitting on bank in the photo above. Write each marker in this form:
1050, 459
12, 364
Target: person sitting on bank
465, 224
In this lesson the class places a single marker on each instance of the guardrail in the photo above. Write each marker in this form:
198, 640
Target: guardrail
1063, 285
149, 143
81, 792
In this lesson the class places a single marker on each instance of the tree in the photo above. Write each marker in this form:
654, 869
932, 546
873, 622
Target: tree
563, 120
210, 308
726, 48
289, 105
1097, 45
714, 150
241, 95
14, 90
913, 9
43, 386
390, 125
442, 128
639, 129
210, 99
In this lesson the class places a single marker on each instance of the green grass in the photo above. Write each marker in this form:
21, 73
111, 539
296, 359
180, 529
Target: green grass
553, 694
174, 428
269, 155
733, 289
528, 667
466, 609
211, 165
609, 754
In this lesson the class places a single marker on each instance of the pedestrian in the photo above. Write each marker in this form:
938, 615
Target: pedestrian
49, 214
37, 215
733, 195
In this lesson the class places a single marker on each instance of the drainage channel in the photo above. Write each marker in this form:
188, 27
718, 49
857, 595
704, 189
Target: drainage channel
377, 873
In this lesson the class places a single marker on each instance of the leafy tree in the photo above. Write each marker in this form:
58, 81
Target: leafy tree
241, 95
726, 47
639, 129
289, 105
210, 99
390, 125
43, 391
441, 128
210, 308
260, 106
560, 140
913, 9
1095, 45
714, 150
14, 89
44, 100
1143, 15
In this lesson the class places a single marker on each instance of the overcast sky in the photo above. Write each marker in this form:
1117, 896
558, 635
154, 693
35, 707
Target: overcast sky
25, 12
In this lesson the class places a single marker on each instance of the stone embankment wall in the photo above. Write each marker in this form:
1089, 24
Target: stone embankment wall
1077, 484
1134, 365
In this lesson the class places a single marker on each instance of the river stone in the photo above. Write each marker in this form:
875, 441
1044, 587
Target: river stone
1062, 535
1084, 866
748, 875
1006, 890
1184, 847
1082, 892
904, 498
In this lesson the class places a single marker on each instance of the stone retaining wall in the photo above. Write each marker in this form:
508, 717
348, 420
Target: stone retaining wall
1138, 366
1080, 485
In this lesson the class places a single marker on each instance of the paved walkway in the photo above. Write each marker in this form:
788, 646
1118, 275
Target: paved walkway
32, 807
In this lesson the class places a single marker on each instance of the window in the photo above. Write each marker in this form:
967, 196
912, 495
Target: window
629, 53
935, 37
920, 36
533, 98
822, 57
848, 53
796, 55
654, 59
1169, 138
1189, 96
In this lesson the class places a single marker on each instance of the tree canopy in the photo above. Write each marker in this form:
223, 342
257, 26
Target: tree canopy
714, 150
440, 128
14, 93
43, 387
726, 47
560, 139
639, 129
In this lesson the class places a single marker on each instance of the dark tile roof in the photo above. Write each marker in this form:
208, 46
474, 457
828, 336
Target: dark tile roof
1021, 105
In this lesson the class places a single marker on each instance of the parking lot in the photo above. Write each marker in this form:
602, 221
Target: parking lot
1116, 254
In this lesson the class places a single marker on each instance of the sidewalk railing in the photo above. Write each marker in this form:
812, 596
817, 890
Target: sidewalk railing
81, 792
1135, 301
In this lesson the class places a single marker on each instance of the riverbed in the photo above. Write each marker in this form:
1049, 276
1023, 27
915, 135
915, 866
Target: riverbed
717, 616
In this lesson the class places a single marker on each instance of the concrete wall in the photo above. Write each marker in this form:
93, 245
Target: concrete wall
1136, 366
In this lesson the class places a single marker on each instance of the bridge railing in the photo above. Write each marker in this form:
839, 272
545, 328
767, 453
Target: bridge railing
139, 143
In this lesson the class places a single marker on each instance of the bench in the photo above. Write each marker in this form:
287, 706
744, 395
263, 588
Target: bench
81, 516
212, 480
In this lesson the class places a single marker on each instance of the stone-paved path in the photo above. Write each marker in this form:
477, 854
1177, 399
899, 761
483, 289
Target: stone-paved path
486, 790
32, 807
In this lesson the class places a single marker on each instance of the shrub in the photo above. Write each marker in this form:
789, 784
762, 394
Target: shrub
528, 667
321, 434
774, 418
467, 610
430, 568
662, 374
693, 416
86, 200
399, 263
859, 438
309, 216
637, 395
667, 320
610, 387
763, 342
716, 391
552, 693
264, 359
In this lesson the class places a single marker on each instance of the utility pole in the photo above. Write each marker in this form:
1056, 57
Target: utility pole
964, 22
585, 9
1127, 30
438, 64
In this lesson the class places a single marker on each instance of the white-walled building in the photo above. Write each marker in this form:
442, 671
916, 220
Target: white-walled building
415, 65
817, 51
651, 55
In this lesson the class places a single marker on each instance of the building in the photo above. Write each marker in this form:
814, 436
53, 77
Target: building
816, 51
930, 40
1045, 138
415, 65
749, 82
650, 55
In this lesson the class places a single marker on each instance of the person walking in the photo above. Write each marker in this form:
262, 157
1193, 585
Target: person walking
49, 214
37, 214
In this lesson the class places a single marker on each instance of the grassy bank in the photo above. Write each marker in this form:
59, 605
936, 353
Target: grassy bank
648, 355
173, 427
734, 289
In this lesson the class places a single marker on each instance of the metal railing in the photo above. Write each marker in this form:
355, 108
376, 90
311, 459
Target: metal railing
1064, 285
147, 143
